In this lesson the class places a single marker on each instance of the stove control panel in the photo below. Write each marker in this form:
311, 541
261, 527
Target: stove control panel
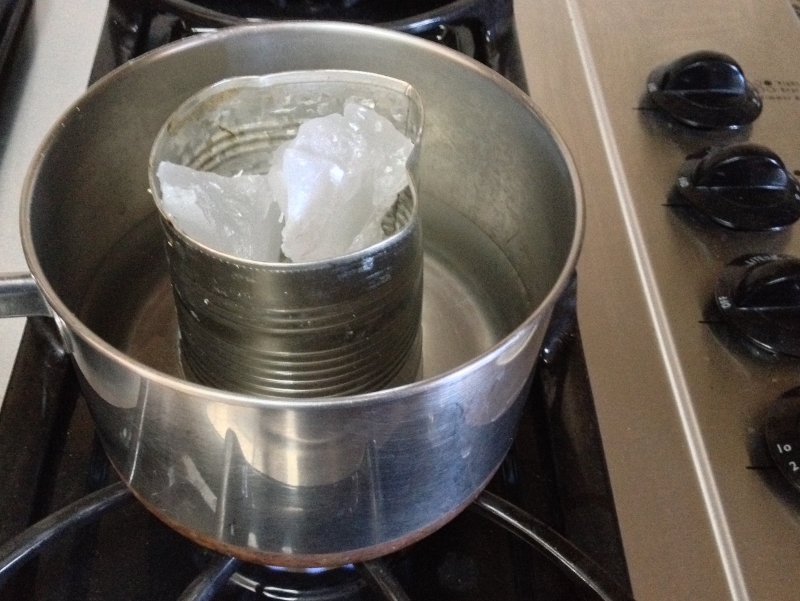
738, 171
689, 282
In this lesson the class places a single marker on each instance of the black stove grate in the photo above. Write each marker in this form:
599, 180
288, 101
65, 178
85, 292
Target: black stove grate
219, 570
481, 29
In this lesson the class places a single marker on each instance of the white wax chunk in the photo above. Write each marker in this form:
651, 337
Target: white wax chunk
336, 180
390, 149
233, 215
325, 195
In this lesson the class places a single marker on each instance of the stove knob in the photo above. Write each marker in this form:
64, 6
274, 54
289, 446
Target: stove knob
782, 432
741, 186
706, 90
759, 296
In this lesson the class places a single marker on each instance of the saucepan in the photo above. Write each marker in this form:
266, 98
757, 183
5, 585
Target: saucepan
311, 481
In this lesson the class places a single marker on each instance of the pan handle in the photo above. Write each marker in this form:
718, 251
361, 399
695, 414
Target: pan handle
20, 296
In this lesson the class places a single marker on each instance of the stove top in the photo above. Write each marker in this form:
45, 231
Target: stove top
681, 399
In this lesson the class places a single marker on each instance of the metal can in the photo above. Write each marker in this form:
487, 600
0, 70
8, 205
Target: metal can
332, 327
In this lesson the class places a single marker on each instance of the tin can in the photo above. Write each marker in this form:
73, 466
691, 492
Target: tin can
332, 327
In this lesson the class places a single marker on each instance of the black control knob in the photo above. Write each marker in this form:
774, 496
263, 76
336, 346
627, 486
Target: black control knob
782, 432
741, 186
706, 90
759, 296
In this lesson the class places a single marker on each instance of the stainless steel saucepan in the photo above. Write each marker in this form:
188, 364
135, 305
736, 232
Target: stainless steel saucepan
318, 481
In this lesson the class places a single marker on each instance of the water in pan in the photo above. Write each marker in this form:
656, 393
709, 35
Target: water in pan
472, 297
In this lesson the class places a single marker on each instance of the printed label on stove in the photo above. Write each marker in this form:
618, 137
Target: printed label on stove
782, 436
779, 89
757, 259
790, 466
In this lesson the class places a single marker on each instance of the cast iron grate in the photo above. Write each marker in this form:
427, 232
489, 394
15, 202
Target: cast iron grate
20, 549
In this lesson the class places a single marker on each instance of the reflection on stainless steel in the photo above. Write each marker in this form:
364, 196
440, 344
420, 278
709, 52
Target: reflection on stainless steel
298, 451
504, 233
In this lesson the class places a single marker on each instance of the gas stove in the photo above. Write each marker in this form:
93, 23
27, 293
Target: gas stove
682, 395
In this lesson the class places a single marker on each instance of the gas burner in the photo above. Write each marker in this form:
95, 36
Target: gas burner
481, 29
360, 11
308, 585
310, 8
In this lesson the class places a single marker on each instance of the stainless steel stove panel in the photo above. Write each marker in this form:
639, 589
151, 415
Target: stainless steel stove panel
680, 410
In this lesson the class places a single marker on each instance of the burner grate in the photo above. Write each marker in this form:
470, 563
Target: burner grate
481, 29
364, 11
219, 570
